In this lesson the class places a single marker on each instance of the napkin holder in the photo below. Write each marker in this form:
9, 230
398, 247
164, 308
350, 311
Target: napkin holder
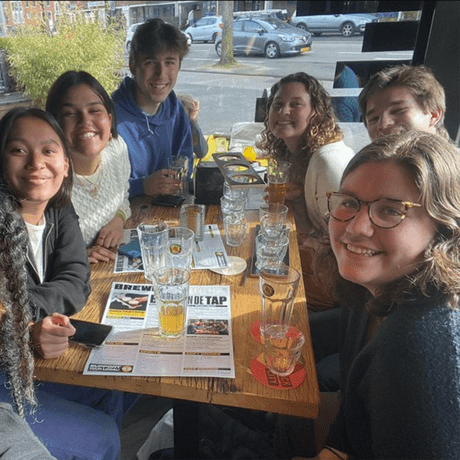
237, 171
209, 183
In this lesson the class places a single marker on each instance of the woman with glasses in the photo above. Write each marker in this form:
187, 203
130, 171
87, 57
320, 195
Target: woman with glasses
394, 253
301, 128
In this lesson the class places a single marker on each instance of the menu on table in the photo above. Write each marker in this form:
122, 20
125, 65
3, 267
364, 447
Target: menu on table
135, 346
209, 253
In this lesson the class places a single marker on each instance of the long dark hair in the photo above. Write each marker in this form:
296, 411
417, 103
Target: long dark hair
16, 358
62, 197
69, 80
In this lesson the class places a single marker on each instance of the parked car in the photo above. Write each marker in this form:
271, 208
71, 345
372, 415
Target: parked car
206, 29
130, 33
281, 14
345, 24
270, 37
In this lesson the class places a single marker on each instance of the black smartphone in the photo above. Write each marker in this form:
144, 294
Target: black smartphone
168, 200
89, 334
131, 249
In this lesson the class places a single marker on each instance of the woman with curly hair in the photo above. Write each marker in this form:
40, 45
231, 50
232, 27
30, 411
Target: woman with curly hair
395, 244
300, 127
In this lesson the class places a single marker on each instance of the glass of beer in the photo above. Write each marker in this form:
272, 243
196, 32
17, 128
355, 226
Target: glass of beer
171, 293
278, 177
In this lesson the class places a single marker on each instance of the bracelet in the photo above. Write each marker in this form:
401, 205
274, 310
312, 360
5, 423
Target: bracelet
330, 449
121, 215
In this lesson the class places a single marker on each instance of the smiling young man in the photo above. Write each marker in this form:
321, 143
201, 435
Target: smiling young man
403, 97
150, 118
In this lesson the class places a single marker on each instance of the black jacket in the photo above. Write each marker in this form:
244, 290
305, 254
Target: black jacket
66, 287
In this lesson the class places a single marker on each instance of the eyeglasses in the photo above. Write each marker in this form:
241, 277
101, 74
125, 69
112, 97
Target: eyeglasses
383, 213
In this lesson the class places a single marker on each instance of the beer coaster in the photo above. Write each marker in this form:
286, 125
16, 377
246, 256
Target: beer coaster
261, 373
237, 266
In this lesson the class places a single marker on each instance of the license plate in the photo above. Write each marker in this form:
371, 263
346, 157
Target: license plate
304, 50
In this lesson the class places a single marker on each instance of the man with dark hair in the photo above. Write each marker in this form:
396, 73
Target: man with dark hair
401, 97
151, 120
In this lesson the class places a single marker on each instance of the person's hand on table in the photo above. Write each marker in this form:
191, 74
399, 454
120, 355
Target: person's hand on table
161, 182
50, 336
111, 236
98, 254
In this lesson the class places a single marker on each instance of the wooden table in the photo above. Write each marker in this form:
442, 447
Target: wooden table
243, 391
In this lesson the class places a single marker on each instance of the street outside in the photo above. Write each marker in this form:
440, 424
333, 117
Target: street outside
229, 96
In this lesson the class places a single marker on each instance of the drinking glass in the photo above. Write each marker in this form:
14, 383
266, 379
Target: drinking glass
278, 287
179, 166
153, 240
282, 350
273, 209
234, 193
230, 206
179, 251
235, 229
171, 293
278, 178
192, 217
270, 251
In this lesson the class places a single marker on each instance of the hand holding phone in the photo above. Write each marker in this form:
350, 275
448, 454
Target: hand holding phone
89, 334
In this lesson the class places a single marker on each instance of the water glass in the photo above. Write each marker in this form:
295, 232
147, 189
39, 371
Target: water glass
234, 193
180, 166
278, 287
192, 217
231, 206
179, 252
273, 209
153, 240
282, 350
270, 251
235, 229
171, 293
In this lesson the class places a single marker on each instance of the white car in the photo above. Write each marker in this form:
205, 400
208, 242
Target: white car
130, 33
206, 29
345, 24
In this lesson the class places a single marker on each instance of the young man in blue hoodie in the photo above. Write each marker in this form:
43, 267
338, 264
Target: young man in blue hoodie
150, 118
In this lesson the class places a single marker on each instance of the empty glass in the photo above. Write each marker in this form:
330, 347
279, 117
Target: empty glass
153, 239
235, 229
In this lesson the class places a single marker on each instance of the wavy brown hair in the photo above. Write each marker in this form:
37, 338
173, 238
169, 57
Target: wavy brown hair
434, 164
322, 128
421, 82
16, 357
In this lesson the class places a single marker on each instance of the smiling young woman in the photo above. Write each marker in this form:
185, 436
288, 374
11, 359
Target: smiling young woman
100, 158
394, 243
300, 127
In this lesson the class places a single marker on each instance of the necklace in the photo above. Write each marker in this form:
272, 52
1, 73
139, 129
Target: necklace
91, 183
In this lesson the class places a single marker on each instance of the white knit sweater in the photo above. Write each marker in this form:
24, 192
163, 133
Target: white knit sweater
96, 212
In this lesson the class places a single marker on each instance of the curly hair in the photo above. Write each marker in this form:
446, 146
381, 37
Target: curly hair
434, 164
16, 359
322, 128
420, 80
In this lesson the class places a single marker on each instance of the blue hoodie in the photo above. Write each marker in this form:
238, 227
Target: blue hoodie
152, 139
